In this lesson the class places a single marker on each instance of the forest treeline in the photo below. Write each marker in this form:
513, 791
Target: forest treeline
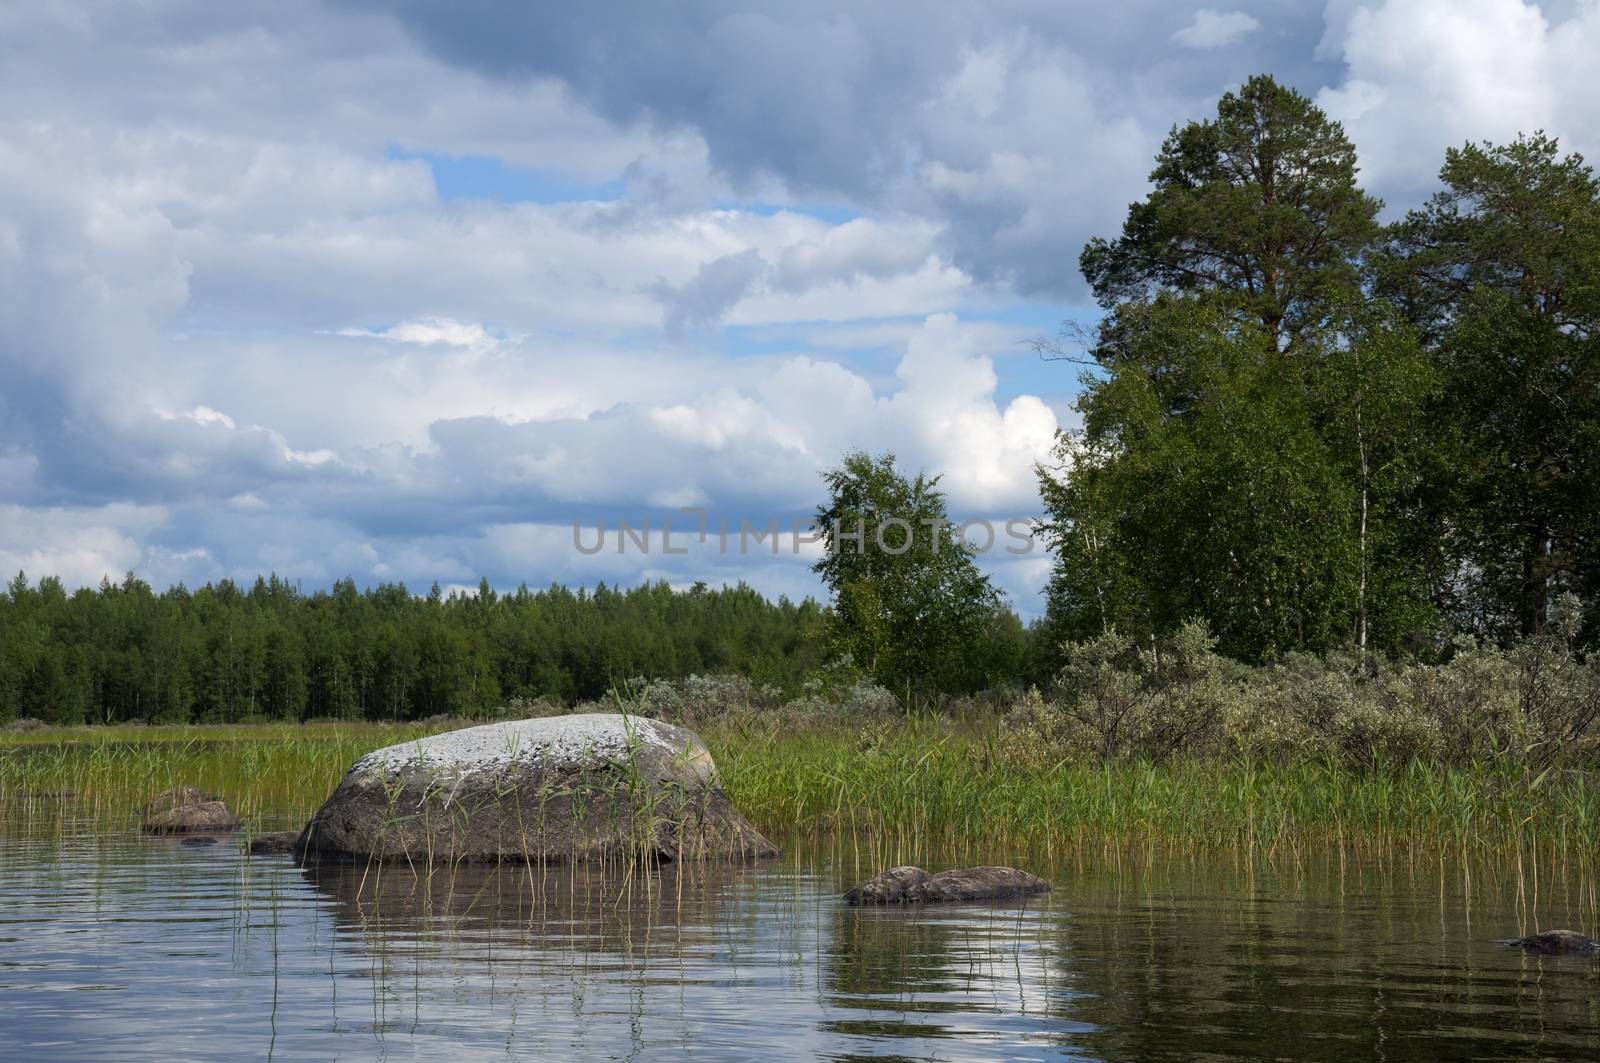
223, 653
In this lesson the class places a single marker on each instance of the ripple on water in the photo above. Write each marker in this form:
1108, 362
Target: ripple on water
134, 948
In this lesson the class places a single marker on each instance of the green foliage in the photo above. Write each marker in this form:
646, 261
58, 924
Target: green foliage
1258, 210
223, 655
1315, 435
1277, 498
910, 607
1269, 447
1501, 272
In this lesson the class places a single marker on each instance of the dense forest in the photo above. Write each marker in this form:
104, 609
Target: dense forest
1304, 429
226, 654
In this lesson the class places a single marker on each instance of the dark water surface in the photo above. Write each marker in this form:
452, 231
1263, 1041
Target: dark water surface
119, 947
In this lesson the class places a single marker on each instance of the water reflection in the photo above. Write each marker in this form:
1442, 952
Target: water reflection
125, 947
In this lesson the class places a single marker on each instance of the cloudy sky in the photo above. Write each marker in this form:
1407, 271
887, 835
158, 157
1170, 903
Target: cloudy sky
400, 290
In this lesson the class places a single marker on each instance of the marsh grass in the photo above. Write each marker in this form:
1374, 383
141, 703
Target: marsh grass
271, 775
926, 784
934, 784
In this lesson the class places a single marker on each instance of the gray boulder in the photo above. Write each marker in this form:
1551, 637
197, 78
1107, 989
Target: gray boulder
1557, 943
912, 885
187, 808
580, 788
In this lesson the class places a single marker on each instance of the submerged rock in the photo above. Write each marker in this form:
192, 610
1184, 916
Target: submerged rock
1557, 943
187, 808
912, 885
198, 841
584, 787
273, 843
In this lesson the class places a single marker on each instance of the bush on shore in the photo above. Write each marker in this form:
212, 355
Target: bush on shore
836, 694
1536, 702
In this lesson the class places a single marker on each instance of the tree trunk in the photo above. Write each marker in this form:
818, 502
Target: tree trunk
1361, 585
1536, 581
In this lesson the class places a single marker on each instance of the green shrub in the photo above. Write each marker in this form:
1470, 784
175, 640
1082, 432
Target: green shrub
1537, 703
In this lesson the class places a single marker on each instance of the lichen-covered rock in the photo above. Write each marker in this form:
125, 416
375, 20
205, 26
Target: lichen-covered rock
187, 808
177, 797
584, 787
1557, 943
912, 885
897, 885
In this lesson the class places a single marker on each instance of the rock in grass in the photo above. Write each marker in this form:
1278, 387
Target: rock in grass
272, 843
584, 787
912, 885
187, 808
1557, 943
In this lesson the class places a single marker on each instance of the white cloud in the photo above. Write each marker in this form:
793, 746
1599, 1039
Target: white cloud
754, 450
986, 453
1424, 75
428, 332
79, 545
1216, 29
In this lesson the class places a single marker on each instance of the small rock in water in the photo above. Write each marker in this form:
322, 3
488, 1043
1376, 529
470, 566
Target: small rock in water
1557, 943
912, 885
197, 841
187, 808
274, 843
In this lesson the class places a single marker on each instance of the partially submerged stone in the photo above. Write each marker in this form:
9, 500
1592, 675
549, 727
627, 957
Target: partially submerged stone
1557, 943
912, 885
583, 787
187, 808
272, 843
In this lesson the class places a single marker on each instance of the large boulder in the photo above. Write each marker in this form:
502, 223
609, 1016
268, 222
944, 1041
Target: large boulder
187, 808
585, 787
912, 885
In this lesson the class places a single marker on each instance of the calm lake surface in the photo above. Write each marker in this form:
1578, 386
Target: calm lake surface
120, 947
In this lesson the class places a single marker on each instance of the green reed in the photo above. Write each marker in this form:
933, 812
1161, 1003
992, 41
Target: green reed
924, 784
949, 787
277, 773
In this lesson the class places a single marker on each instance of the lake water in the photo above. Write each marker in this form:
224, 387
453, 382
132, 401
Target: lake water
121, 947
